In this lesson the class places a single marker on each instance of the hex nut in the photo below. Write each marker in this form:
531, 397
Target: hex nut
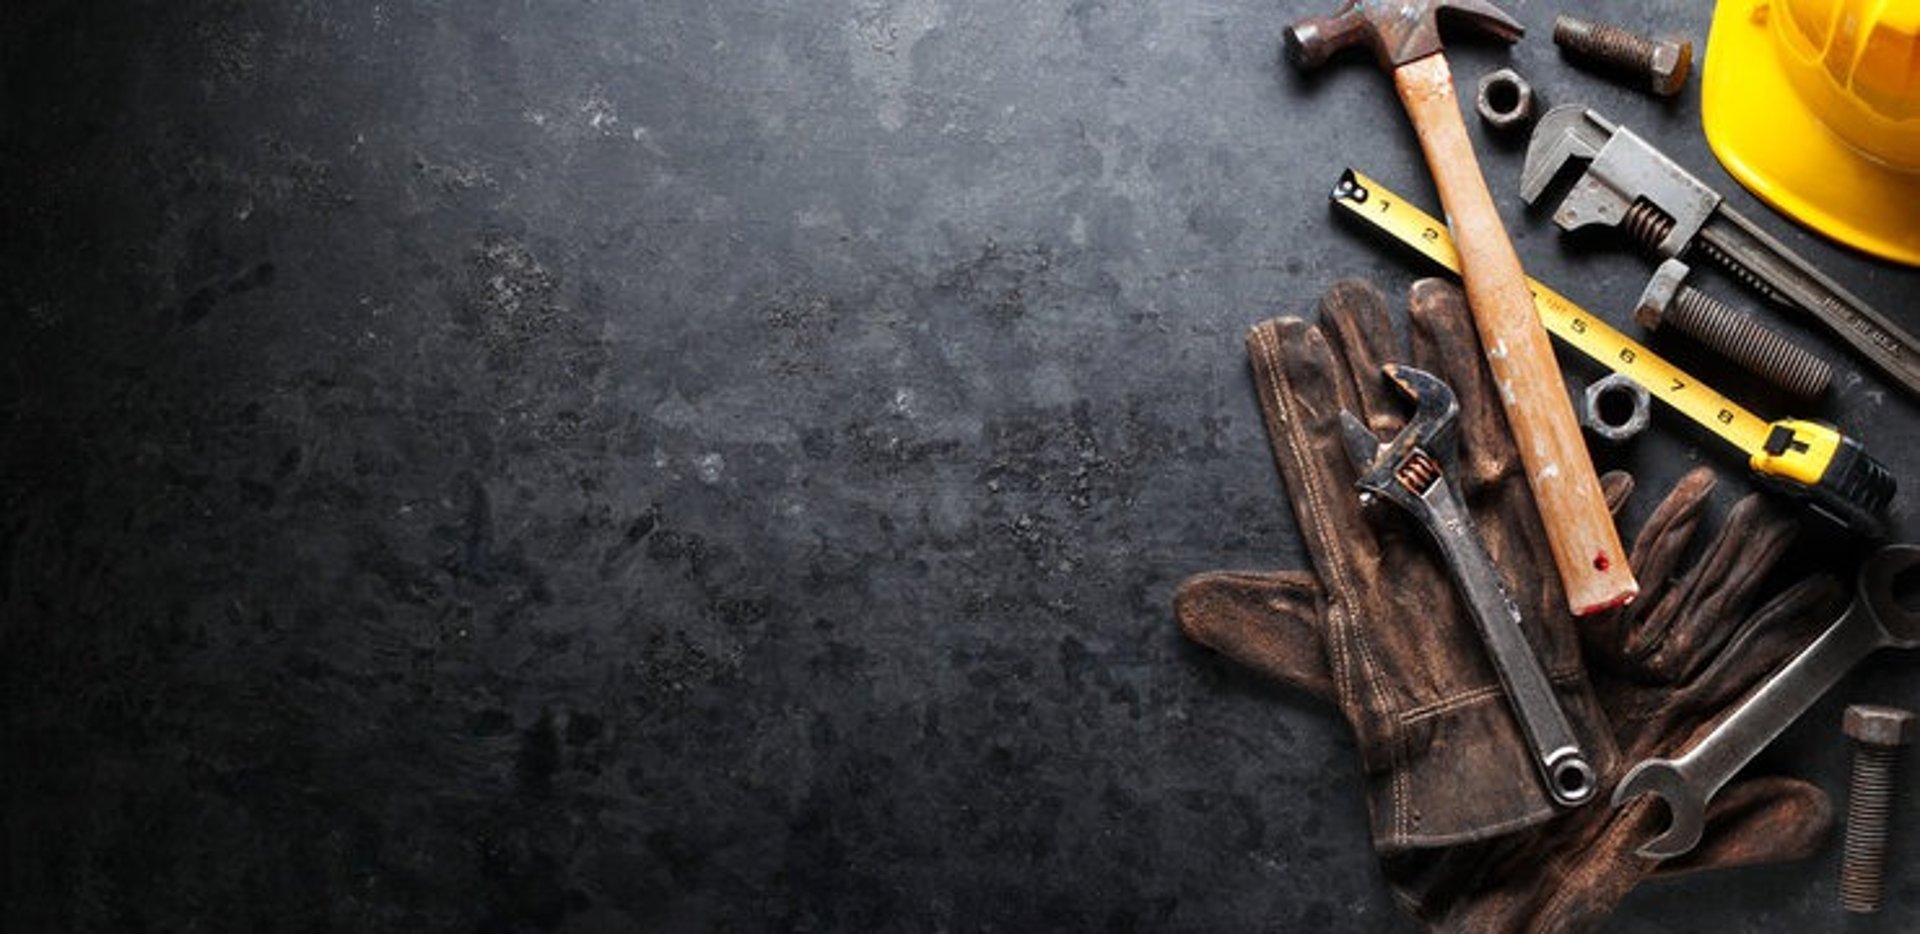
1657, 297
1506, 101
1879, 726
1594, 419
1668, 66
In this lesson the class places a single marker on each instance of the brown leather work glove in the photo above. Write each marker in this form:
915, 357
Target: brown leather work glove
1465, 833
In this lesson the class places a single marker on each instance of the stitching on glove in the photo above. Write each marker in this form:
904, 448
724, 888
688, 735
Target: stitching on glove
1565, 676
1344, 629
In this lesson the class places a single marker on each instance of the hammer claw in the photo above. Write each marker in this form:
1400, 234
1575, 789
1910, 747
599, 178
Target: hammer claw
1486, 17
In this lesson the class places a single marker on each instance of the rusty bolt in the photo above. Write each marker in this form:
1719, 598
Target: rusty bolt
1662, 63
1760, 350
1879, 734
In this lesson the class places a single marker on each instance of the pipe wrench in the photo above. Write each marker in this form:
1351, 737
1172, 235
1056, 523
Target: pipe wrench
1628, 183
1408, 472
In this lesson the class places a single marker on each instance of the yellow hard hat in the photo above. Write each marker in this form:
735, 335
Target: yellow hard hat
1814, 105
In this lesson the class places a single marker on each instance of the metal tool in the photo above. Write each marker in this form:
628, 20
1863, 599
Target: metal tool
1804, 460
1661, 64
1630, 184
1594, 408
1409, 472
1404, 36
1875, 620
1506, 101
1668, 301
1880, 735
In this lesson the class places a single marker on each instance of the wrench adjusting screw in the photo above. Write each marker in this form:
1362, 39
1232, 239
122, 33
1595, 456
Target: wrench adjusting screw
1879, 734
1760, 350
1662, 63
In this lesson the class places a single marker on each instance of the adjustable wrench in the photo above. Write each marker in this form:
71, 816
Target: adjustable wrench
1875, 620
1407, 472
1629, 183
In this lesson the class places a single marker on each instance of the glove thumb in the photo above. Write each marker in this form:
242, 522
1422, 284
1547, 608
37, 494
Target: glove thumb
1268, 621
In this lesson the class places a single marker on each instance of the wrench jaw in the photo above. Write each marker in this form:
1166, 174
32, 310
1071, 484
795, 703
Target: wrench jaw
1686, 810
1404, 469
1565, 134
1889, 575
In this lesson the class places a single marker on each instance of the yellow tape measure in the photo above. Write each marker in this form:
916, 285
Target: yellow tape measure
1808, 459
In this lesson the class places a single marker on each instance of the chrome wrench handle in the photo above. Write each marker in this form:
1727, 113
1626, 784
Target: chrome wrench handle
1556, 750
1407, 471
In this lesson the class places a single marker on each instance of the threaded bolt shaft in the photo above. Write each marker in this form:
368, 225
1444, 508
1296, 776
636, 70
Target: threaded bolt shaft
1869, 799
1879, 735
1603, 42
1662, 63
1745, 341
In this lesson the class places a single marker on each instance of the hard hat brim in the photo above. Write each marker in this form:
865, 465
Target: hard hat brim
1769, 139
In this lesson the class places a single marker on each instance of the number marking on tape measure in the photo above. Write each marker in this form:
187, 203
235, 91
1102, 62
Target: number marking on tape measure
1368, 200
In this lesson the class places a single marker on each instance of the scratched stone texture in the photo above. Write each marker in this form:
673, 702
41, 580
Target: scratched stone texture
685, 466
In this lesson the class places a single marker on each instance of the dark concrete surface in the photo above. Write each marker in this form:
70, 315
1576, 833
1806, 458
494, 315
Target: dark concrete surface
677, 466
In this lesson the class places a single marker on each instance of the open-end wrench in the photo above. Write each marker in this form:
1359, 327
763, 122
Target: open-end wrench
1876, 619
1628, 183
1408, 472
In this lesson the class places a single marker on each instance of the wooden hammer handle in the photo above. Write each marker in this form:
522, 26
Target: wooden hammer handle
1586, 546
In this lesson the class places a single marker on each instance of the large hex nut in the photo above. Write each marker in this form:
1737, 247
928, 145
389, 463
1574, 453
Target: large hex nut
1506, 101
1593, 415
1879, 726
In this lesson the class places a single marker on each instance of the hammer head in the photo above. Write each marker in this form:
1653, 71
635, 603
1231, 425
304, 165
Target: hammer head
1398, 31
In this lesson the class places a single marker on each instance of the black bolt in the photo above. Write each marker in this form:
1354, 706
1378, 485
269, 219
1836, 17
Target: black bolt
1878, 733
1662, 63
1738, 337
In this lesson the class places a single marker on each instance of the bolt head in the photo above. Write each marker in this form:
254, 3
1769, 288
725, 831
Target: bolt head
1672, 60
1659, 293
1875, 725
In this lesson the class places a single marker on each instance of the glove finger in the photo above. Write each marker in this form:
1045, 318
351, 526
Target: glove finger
1303, 387
1758, 647
1762, 820
1688, 624
1617, 486
1446, 345
1609, 638
1664, 537
1353, 315
1269, 622
1488, 469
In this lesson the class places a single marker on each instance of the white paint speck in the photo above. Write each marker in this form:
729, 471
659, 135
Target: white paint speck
711, 467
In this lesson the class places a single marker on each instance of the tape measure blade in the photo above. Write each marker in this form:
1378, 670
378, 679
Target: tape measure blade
1380, 207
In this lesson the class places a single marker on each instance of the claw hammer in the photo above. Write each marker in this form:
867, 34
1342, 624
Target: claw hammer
1405, 36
